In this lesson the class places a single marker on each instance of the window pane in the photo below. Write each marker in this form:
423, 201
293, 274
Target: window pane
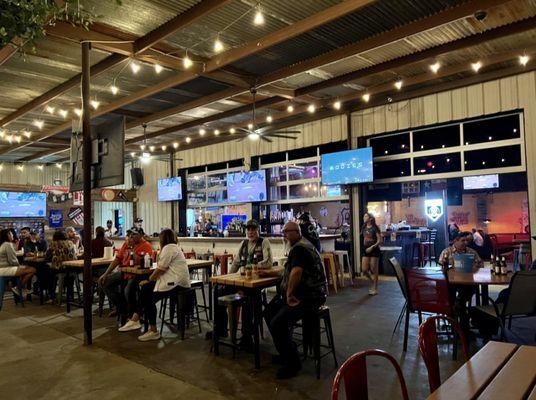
278, 193
437, 164
498, 157
196, 198
303, 171
436, 138
389, 145
217, 196
278, 174
487, 130
305, 190
392, 169
196, 182
217, 180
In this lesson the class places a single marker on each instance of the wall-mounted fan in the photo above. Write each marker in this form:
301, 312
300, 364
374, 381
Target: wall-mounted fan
264, 133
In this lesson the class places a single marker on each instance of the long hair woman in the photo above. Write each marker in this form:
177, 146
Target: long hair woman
9, 264
372, 239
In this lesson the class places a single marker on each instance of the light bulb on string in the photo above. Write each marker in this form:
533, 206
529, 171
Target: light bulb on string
58, 165
398, 84
250, 126
20, 167
28, 134
18, 139
175, 145
366, 97
78, 112
95, 104
269, 119
135, 67
50, 109
216, 132
151, 149
311, 108
337, 105
435, 67
202, 132
158, 68
63, 113
524, 59
188, 139
114, 89
164, 147
232, 131
187, 61
142, 147
259, 17
218, 44
38, 123
476, 66
290, 108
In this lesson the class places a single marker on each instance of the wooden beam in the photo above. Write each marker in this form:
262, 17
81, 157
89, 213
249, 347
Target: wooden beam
179, 22
44, 153
314, 21
441, 18
131, 113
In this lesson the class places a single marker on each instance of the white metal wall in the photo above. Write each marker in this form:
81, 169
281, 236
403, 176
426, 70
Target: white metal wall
507, 94
31, 175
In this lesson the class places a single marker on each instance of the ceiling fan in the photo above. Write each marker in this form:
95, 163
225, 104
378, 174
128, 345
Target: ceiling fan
264, 133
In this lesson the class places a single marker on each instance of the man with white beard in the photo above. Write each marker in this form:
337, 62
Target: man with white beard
303, 291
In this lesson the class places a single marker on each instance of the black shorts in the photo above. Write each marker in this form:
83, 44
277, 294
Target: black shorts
374, 253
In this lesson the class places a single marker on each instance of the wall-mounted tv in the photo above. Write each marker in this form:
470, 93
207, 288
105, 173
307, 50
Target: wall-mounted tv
246, 186
481, 182
347, 167
170, 189
22, 204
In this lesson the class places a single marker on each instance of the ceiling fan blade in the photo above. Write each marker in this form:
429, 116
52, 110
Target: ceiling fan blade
242, 138
266, 139
278, 135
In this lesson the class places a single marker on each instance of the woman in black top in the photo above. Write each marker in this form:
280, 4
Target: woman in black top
371, 250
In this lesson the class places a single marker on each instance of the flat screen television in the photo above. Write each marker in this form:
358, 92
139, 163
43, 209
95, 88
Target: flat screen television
347, 167
22, 204
170, 189
481, 182
333, 191
246, 186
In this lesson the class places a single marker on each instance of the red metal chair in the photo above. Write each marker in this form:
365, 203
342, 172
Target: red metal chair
428, 346
428, 292
190, 254
354, 373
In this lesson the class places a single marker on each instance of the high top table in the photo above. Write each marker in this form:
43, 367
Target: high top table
252, 287
482, 278
498, 371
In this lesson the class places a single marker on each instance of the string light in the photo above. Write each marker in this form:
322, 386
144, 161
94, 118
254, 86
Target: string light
142, 147
476, 66
63, 113
269, 119
151, 149
114, 89
18, 139
28, 134
202, 132
398, 84
290, 108
1, 167
50, 109
132, 154
366, 97
95, 104
435, 67
188, 139
187, 61
164, 147
524, 59
40, 167
250, 126
38, 123
78, 112
216, 132
259, 17
232, 131
311, 108
10, 139
2, 133
337, 105
175, 145
135, 67
20, 167
145, 158
254, 136
218, 45
158, 68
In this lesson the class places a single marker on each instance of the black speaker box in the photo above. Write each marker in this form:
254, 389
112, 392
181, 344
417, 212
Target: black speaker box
137, 176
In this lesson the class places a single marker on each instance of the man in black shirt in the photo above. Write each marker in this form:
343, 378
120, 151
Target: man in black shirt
308, 230
303, 291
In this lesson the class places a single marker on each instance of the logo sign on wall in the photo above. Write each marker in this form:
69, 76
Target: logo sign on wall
55, 219
76, 214
78, 198
433, 208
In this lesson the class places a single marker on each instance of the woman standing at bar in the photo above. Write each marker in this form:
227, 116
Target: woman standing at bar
372, 239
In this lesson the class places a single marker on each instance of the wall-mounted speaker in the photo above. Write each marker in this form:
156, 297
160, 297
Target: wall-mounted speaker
137, 176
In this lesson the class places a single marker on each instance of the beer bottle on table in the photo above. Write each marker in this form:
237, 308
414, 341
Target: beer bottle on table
131, 261
497, 266
492, 263
503, 266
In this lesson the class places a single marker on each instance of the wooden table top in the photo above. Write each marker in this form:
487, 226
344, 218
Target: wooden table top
238, 280
94, 262
482, 277
499, 370
192, 264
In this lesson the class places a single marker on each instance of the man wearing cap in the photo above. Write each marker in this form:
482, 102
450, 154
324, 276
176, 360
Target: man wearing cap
121, 288
256, 251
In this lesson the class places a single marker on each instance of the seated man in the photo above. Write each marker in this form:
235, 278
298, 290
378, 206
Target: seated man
256, 251
464, 292
303, 291
120, 288
34, 244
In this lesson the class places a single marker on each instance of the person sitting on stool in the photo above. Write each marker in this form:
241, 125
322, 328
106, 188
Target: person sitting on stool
303, 291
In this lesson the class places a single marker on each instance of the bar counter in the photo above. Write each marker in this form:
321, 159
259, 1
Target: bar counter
231, 244
405, 239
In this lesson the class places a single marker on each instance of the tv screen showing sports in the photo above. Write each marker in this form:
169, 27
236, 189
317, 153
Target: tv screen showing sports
169, 189
247, 186
481, 182
347, 167
22, 204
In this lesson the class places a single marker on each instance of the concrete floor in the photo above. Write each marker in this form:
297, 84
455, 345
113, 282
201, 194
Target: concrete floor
43, 356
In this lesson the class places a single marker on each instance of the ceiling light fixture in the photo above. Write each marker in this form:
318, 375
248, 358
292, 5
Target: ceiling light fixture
50, 109
38, 123
337, 105
290, 108
216, 132
114, 89
435, 67
132, 154
218, 44
135, 67
250, 126
232, 131
18, 139
311, 108
164, 147
259, 17
95, 104
151, 149
253, 136
476, 66
158, 68
202, 132
398, 84
78, 112
188, 139
28, 134
175, 145
269, 119
524, 59
187, 61
142, 147
366, 97
63, 113
40, 167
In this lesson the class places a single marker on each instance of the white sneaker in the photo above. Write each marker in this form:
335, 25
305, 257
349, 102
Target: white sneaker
130, 326
149, 335
372, 292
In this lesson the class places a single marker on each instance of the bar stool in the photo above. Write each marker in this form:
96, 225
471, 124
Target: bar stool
429, 248
312, 331
419, 248
233, 302
222, 260
342, 256
185, 303
199, 284
331, 270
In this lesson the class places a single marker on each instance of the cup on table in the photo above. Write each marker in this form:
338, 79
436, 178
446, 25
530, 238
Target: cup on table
108, 252
249, 273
